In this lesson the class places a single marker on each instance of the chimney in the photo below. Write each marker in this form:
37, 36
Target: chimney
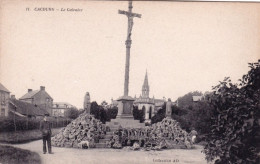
12, 96
42, 88
29, 90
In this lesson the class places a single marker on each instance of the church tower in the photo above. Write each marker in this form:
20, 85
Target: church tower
145, 88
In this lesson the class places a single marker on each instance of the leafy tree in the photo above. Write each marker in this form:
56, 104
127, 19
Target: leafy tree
102, 114
138, 114
235, 129
160, 115
186, 101
72, 113
178, 111
112, 112
81, 111
94, 108
104, 104
200, 117
183, 116
193, 114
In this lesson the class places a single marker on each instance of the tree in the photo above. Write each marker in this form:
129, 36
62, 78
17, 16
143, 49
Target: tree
183, 116
81, 111
200, 116
94, 108
235, 125
138, 114
102, 114
186, 101
160, 115
112, 112
104, 104
71, 113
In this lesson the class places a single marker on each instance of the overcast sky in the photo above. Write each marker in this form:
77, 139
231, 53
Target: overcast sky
184, 47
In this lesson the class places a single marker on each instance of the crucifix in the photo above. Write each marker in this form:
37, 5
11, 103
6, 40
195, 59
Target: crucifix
130, 15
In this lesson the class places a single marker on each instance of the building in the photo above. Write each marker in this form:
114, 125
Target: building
150, 105
4, 104
197, 98
159, 103
40, 98
144, 102
59, 108
25, 109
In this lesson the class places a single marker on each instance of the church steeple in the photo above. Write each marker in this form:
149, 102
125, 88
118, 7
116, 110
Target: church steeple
145, 88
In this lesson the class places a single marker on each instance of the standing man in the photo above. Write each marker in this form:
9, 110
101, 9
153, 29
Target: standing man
45, 127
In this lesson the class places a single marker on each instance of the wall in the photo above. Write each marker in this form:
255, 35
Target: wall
4, 102
43, 100
58, 112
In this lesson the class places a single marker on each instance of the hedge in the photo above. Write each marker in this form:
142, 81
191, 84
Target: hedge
7, 123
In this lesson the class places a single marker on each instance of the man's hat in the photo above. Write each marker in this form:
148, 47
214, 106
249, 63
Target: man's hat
46, 114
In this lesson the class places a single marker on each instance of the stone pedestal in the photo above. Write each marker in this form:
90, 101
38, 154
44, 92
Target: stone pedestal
125, 107
125, 123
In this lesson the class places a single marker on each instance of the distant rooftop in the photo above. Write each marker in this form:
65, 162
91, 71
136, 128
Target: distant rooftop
62, 104
27, 108
196, 98
2, 88
29, 94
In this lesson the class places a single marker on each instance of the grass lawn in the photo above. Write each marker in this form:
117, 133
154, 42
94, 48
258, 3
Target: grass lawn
23, 136
12, 155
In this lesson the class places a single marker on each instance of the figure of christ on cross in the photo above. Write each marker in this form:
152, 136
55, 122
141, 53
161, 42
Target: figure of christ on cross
130, 15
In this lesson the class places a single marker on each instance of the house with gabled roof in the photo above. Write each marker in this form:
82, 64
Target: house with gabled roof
4, 98
40, 98
25, 109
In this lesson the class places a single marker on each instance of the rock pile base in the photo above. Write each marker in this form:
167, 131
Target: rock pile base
84, 128
164, 134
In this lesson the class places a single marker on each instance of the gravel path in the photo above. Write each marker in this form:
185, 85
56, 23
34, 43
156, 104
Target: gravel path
115, 156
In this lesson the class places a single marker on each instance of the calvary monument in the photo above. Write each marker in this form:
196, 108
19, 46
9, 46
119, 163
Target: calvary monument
125, 102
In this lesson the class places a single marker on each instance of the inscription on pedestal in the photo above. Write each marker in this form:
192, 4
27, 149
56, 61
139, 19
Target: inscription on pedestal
127, 107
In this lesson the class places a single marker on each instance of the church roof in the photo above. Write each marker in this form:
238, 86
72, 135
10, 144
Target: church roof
159, 100
146, 85
144, 100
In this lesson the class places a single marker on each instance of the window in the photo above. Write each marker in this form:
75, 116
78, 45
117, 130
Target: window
2, 112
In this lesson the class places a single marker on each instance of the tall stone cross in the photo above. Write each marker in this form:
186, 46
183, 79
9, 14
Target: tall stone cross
130, 15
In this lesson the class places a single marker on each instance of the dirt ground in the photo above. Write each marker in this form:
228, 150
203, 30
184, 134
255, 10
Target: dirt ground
116, 156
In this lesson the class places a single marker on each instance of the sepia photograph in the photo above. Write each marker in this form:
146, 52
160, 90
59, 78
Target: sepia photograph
129, 82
